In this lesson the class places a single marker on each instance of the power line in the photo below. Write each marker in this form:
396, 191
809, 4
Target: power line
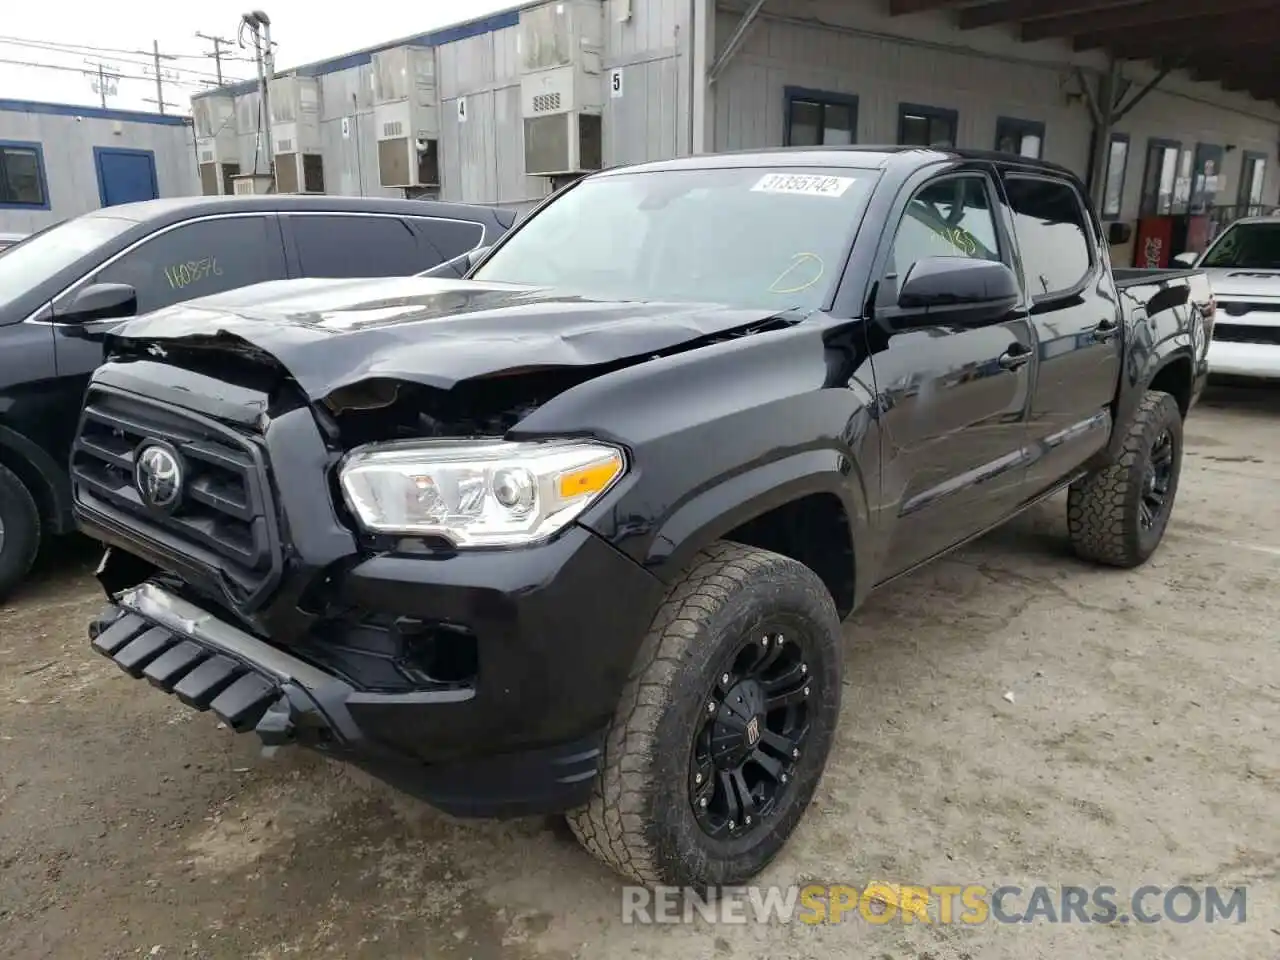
76, 50
81, 48
217, 52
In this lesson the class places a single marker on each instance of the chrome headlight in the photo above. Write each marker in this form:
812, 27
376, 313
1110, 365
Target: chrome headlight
477, 493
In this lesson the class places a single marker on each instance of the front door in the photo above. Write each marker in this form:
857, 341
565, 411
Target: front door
1077, 318
125, 176
954, 431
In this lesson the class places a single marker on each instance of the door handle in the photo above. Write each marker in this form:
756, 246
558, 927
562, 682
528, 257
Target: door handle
1105, 330
1015, 357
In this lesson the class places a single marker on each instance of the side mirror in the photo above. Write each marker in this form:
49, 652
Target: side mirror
938, 291
1186, 259
101, 301
475, 256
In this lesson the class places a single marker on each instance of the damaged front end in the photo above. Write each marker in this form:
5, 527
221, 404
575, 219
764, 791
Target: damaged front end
346, 534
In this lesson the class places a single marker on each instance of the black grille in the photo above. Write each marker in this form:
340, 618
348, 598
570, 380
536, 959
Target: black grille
224, 519
1245, 333
1238, 308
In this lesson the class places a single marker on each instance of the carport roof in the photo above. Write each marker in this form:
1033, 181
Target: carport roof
1232, 42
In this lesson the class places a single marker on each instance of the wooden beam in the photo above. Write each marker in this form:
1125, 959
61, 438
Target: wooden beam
1137, 17
1022, 11
899, 8
1245, 28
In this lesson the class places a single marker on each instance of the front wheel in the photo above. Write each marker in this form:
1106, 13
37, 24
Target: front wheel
19, 531
1118, 515
723, 731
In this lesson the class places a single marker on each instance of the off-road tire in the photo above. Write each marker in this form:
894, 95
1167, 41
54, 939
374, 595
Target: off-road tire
639, 820
20, 520
1104, 508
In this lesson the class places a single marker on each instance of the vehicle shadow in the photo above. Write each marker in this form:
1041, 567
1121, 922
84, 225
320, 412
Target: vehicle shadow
64, 563
1258, 398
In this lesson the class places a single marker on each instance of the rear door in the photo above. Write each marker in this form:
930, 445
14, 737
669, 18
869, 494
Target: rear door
1076, 313
342, 245
954, 431
177, 263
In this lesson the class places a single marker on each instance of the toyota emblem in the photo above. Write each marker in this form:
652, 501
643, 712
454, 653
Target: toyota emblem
158, 477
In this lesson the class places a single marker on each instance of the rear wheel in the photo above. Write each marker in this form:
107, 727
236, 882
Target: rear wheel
19, 531
724, 729
1118, 515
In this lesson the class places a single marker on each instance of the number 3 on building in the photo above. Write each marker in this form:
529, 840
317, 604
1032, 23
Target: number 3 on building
615, 83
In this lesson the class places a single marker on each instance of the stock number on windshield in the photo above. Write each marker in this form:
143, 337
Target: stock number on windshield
183, 275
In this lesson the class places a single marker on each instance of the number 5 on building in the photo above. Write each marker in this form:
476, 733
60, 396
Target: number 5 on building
615, 83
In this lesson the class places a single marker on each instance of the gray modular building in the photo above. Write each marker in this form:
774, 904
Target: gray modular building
61, 160
1168, 108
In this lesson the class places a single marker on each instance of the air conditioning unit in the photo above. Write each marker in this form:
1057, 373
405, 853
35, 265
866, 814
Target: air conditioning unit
562, 87
217, 147
248, 184
406, 117
299, 173
295, 123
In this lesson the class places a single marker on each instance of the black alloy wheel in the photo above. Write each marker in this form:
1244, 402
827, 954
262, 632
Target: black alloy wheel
1157, 479
754, 728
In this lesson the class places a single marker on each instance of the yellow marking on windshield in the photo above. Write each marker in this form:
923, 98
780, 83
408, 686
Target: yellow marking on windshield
797, 261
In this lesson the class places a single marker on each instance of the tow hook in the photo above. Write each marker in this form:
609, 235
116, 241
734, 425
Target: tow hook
276, 728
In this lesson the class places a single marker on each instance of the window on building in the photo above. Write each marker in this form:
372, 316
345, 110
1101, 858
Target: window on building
1053, 234
1117, 163
1023, 137
947, 218
926, 126
816, 118
200, 258
22, 182
1253, 175
1160, 186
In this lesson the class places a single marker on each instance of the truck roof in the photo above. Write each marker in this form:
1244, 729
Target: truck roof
858, 157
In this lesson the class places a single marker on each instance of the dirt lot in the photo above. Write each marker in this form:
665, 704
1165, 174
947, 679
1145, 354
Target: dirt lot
1140, 746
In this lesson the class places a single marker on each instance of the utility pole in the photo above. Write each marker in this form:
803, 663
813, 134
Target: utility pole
217, 52
103, 80
260, 24
155, 48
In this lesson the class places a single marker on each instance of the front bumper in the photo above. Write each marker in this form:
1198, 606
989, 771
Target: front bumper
252, 686
1260, 360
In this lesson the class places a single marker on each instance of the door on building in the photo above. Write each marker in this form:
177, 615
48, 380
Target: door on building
1207, 177
125, 176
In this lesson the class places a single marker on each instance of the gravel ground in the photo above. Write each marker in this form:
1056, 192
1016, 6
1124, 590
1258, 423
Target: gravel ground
1138, 746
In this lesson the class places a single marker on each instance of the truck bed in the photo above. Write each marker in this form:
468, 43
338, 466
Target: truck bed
1131, 276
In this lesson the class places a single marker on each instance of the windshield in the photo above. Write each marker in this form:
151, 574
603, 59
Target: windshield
751, 237
55, 248
1249, 246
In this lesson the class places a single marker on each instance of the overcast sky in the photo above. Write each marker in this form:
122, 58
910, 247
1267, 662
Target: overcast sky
62, 40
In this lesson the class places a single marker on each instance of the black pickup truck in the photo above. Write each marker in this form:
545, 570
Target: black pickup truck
576, 533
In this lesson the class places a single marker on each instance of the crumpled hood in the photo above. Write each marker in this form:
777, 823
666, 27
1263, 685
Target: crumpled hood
333, 333
1239, 283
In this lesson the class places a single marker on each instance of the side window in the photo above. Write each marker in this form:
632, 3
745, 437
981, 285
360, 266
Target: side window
947, 218
197, 259
359, 245
1052, 232
449, 237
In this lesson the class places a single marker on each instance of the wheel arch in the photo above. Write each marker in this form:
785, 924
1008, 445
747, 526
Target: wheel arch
808, 506
39, 473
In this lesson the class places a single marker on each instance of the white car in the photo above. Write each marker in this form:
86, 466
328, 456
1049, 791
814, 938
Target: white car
1243, 266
